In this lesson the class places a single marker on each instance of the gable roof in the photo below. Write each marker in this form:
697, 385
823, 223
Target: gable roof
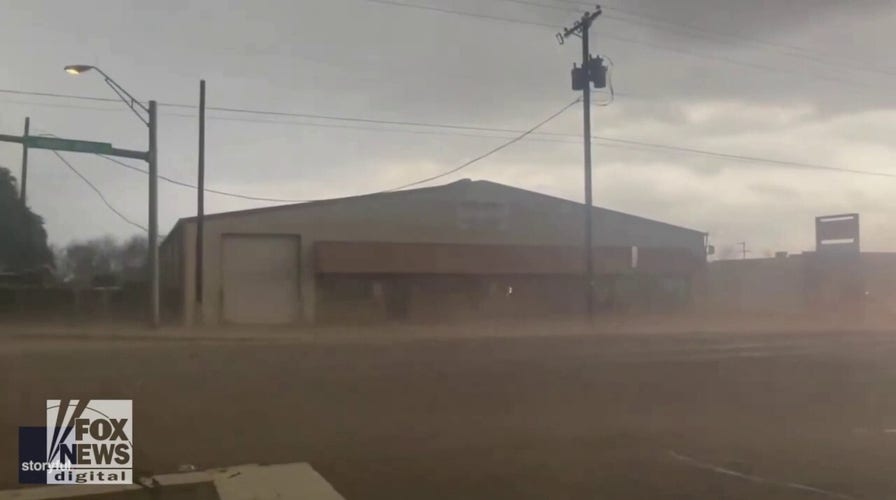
463, 183
578, 204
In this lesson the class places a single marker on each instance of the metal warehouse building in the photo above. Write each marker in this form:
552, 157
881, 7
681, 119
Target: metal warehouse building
465, 249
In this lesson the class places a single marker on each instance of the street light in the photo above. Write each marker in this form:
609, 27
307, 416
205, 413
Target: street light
136, 106
77, 69
150, 120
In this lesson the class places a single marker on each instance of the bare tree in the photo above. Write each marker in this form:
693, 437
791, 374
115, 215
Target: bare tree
103, 261
727, 252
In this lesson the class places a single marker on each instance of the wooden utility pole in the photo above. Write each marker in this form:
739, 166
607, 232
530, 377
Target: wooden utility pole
200, 205
23, 184
153, 233
591, 72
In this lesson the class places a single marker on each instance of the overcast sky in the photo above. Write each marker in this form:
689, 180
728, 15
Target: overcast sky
807, 81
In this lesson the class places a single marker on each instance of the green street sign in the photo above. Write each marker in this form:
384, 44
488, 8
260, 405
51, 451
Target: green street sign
55, 143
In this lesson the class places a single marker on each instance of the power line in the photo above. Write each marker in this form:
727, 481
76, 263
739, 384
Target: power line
623, 39
188, 185
440, 129
733, 40
504, 145
464, 165
729, 156
62, 106
392, 130
428, 125
402, 123
545, 5
625, 142
492, 151
629, 40
294, 115
787, 49
735, 62
193, 186
66, 96
463, 13
609, 142
98, 193
630, 142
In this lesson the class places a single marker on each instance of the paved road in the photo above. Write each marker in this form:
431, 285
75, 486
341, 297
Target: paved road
685, 416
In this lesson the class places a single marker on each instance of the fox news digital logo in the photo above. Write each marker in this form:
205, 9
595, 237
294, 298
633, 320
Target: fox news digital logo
84, 442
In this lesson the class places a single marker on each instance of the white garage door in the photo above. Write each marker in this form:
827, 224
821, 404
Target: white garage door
260, 279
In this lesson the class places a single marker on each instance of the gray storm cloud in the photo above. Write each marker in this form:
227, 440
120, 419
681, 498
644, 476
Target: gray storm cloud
721, 76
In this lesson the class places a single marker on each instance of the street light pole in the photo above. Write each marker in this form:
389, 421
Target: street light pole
151, 121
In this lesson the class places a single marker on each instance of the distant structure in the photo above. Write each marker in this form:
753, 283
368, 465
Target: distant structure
837, 234
837, 280
465, 249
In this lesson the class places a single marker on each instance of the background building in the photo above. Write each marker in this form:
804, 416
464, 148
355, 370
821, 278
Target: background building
836, 280
465, 249
809, 283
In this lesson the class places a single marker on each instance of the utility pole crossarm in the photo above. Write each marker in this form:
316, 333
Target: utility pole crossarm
581, 25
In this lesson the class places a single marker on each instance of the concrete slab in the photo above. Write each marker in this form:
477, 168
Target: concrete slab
69, 491
244, 482
256, 482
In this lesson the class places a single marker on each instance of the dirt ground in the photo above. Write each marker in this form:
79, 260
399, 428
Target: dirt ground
772, 415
